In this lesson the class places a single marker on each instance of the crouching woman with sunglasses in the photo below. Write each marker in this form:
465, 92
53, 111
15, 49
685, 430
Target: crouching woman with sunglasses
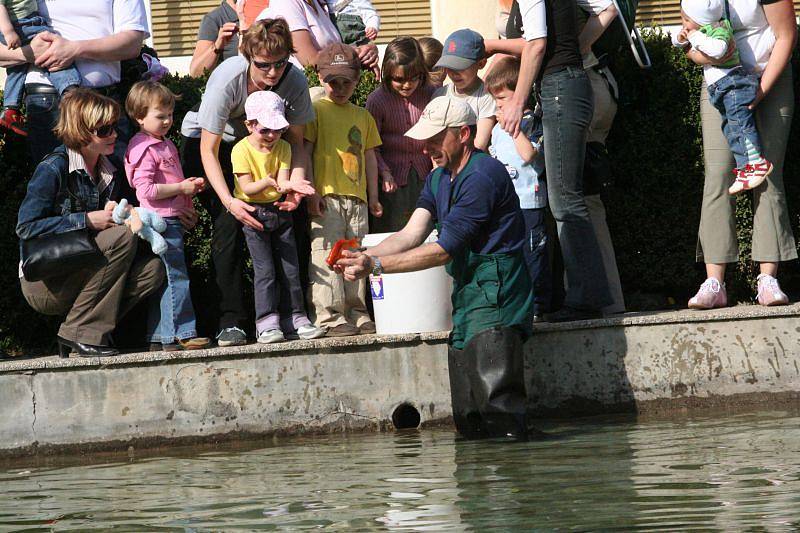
66, 202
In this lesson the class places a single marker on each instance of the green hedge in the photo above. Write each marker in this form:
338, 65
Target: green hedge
653, 204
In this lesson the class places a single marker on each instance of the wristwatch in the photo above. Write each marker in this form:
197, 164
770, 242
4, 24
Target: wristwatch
377, 268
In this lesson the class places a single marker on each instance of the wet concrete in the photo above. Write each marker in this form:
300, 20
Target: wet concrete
647, 363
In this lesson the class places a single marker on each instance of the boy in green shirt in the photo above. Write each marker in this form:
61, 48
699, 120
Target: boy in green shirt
707, 34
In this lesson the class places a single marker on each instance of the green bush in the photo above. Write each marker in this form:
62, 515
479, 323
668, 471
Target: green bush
653, 204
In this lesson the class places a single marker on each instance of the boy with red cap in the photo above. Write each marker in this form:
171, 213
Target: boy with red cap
342, 139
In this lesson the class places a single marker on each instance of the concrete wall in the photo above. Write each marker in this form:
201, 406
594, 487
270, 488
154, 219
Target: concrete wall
655, 363
450, 15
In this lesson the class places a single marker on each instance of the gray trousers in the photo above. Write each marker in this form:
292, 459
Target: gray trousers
773, 240
94, 299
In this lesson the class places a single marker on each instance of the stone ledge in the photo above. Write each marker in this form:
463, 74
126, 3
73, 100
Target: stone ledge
299, 347
657, 318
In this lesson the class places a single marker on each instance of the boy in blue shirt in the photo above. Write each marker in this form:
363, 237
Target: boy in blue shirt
523, 157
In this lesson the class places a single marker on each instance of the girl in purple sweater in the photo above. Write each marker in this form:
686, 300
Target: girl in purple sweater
154, 171
397, 105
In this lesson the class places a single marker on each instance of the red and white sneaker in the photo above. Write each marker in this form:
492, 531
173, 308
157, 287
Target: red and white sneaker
769, 292
13, 120
711, 295
751, 176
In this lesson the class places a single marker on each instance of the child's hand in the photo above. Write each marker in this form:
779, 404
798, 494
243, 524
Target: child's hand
389, 185
376, 208
316, 205
291, 202
110, 205
371, 33
12, 40
301, 186
683, 36
192, 186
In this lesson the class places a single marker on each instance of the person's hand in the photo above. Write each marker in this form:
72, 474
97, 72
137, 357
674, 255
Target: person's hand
316, 205
192, 186
290, 203
757, 99
389, 185
376, 208
59, 55
301, 186
226, 33
372, 33
12, 40
512, 116
353, 265
241, 212
368, 55
99, 220
188, 217
683, 35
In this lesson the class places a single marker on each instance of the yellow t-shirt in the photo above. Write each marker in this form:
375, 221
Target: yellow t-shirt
341, 134
247, 159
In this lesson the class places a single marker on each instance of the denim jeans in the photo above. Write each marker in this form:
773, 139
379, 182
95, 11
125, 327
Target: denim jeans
567, 112
62, 80
171, 313
537, 259
41, 112
274, 255
731, 96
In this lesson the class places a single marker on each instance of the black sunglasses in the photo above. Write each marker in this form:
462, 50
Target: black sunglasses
266, 67
264, 131
106, 131
412, 79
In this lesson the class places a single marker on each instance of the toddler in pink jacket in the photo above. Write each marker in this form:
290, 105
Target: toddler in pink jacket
153, 168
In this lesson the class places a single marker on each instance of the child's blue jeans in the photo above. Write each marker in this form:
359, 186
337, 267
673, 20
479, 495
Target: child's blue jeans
62, 80
537, 259
732, 95
171, 313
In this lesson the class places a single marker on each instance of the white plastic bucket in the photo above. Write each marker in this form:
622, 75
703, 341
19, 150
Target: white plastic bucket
412, 302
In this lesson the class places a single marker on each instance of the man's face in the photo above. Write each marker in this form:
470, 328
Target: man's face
445, 148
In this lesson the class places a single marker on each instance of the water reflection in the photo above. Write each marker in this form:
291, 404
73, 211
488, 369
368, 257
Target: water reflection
714, 473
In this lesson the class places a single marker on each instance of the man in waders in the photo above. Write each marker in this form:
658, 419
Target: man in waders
470, 199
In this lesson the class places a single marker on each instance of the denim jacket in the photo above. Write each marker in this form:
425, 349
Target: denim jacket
47, 209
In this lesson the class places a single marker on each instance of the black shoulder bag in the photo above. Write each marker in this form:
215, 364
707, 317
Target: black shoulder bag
58, 254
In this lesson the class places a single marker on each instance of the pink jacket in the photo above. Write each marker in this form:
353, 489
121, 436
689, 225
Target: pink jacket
149, 162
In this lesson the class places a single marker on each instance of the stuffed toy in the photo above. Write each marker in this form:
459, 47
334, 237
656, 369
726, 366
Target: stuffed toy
145, 223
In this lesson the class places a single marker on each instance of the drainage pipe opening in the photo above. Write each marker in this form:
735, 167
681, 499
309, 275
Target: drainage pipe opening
405, 416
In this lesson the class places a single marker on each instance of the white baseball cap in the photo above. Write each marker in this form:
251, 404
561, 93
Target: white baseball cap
703, 12
442, 112
267, 108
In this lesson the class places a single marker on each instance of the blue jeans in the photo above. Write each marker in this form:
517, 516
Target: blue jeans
171, 314
731, 95
567, 107
274, 255
62, 80
537, 259
41, 112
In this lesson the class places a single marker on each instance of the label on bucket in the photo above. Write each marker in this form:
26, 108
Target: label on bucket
376, 287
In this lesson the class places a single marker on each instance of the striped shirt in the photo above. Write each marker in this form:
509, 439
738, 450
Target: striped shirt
394, 116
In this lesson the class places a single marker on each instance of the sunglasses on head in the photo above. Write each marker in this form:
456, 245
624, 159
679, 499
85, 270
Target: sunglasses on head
106, 131
266, 67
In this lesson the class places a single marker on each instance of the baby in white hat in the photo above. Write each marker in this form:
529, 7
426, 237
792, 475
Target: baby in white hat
706, 35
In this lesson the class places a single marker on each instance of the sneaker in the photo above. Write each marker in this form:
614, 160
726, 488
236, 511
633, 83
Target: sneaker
751, 176
13, 120
710, 296
343, 330
367, 328
769, 292
270, 336
231, 337
310, 331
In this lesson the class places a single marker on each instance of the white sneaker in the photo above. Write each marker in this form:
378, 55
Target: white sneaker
310, 331
769, 292
270, 336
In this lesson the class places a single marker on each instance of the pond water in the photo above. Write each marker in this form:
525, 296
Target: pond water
725, 473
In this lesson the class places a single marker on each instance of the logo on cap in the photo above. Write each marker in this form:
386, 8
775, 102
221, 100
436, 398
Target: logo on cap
451, 47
